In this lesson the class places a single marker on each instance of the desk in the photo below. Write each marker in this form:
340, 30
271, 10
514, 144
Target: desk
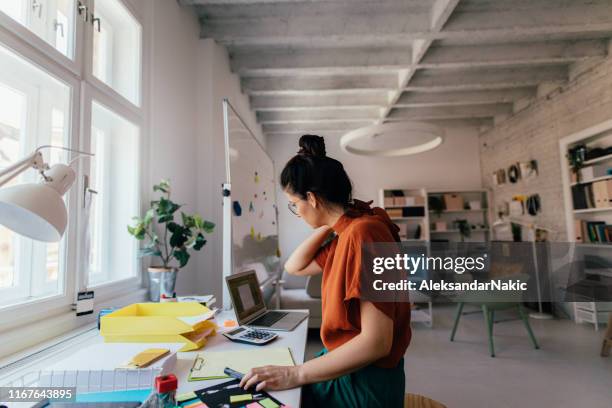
295, 340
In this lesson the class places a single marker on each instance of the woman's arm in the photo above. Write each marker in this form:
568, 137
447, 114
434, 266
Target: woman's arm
301, 260
373, 343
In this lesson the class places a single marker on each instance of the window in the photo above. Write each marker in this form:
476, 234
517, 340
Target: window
46, 99
117, 49
34, 111
51, 20
114, 177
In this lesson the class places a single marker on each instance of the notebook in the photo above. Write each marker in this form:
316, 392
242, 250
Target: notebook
209, 365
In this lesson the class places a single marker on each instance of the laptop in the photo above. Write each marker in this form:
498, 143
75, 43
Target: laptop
250, 308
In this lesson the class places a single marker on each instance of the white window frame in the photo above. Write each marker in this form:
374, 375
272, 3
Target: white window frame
27, 36
91, 94
137, 109
85, 89
27, 250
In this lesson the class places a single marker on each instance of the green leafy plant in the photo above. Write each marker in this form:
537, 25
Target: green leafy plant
436, 204
465, 229
178, 238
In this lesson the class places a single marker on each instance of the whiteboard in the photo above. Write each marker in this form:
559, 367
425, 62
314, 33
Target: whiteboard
250, 202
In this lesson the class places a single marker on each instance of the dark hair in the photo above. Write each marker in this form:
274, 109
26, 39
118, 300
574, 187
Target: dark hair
311, 170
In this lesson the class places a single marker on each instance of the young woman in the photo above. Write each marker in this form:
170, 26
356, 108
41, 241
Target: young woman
362, 362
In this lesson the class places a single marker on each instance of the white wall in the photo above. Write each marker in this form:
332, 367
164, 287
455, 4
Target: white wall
189, 79
453, 165
215, 82
173, 33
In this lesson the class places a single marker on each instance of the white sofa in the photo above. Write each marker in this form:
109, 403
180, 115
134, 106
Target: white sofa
296, 292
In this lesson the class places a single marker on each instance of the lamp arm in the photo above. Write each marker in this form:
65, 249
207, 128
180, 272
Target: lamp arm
12, 171
35, 161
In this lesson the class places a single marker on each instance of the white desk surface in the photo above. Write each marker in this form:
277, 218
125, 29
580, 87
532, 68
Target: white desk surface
295, 340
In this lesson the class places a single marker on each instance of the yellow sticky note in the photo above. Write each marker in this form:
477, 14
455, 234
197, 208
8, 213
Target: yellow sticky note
240, 398
252, 232
186, 396
268, 403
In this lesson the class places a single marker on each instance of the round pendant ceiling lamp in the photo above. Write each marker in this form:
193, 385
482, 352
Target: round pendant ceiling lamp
393, 139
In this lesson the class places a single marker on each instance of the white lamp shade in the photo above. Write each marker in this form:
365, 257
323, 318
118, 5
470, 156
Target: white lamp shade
36, 211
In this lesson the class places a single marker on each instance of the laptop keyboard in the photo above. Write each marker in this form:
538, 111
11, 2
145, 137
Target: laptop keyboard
268, 319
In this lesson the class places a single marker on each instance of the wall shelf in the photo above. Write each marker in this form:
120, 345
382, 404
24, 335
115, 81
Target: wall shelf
592, 210
598, 136
597, 160
593, 180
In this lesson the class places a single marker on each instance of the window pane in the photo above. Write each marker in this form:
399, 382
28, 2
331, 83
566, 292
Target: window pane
117, 48
114, 175
52, 20
34, 111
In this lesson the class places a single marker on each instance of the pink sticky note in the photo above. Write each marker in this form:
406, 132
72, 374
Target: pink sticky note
253, 405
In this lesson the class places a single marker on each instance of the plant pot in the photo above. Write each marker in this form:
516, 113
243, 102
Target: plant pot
161, 280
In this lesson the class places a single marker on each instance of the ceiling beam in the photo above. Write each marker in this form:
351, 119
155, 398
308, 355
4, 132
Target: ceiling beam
264, 61
453, 123
432, 99
359, 114
293, 102
578, 18
295, 84
441, 11
324, 25
450, 112
310, 24
313, 126
483, 79
555, 52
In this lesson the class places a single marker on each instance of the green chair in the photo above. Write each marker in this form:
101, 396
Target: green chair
490, 302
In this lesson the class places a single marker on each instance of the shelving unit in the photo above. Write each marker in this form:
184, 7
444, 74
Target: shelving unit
417, 201
478, 218
599, 136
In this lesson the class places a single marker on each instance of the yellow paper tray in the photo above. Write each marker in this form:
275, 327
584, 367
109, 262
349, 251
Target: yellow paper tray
159, 323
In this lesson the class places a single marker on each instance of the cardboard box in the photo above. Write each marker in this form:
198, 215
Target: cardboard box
440, 226
184, 322
591, 172
394, 212
602, 192
453, 202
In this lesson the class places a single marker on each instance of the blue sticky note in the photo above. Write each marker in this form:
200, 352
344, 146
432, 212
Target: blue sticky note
237, 209
114, 396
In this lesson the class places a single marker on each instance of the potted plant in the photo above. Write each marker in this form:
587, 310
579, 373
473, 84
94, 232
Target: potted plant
465, 230
168, 239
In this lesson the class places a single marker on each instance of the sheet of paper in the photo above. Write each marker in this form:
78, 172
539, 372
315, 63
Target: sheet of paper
191, 320
214, 362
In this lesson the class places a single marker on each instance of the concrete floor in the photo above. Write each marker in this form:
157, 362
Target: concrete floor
567, 371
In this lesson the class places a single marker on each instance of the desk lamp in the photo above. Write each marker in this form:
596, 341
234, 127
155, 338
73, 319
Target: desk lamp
37, 210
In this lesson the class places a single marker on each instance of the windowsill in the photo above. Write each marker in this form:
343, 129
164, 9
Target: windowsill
19, 340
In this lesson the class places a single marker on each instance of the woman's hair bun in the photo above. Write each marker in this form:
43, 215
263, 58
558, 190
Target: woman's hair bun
312, 145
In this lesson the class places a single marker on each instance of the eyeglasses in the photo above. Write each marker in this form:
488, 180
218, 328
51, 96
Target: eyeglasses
292, 207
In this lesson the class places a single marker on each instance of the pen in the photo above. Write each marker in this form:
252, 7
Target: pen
233, 373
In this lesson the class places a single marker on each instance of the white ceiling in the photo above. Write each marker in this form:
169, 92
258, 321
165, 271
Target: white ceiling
330, 66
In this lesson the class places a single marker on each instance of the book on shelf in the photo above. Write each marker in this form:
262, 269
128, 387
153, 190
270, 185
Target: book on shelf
593, 231
592, 195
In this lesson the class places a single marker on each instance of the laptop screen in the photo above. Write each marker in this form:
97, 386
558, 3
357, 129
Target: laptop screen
246, 295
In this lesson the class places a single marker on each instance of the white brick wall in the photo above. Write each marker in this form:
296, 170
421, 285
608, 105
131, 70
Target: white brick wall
534, 133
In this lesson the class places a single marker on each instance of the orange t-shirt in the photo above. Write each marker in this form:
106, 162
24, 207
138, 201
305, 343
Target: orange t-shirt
340, 288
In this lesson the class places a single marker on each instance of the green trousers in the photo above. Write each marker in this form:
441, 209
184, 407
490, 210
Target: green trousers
368, 387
